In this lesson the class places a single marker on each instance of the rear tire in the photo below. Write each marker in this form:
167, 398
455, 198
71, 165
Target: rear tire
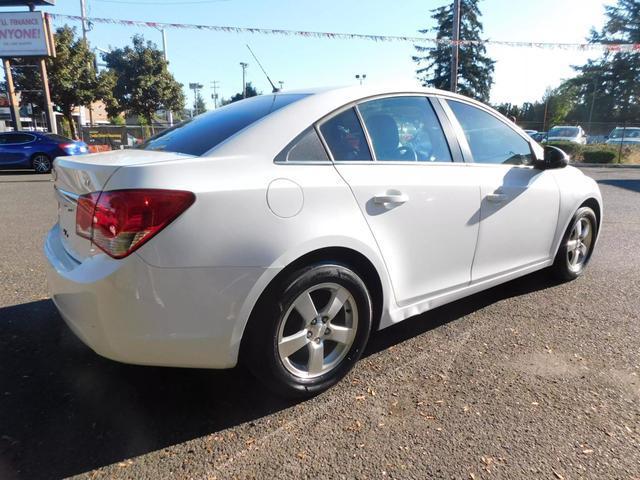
41, 163
308, 331
577, 245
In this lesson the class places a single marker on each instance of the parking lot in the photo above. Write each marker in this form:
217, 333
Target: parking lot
531, 379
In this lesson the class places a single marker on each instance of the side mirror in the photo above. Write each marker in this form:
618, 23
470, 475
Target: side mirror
553, 158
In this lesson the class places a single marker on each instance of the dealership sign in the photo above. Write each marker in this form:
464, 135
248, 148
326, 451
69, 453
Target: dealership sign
24, 34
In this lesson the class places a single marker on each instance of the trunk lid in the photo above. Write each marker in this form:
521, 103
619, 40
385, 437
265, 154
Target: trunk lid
77, 175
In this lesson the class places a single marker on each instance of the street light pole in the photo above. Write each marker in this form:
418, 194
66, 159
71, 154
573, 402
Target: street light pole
455, 47
214, 85
244, 66
361, 77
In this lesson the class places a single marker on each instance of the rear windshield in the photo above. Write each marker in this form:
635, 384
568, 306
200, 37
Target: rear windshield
202, 133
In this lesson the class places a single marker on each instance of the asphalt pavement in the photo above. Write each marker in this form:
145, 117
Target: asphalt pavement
532, 379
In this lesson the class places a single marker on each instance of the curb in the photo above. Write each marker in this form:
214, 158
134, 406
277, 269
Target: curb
605, 165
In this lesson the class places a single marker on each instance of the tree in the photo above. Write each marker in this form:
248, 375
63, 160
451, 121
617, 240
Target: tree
251, 92
199, 105
138, 81
72, 77
609, 87
475, 68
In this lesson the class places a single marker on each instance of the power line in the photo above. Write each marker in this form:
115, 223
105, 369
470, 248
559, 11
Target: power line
160, 3
615, 47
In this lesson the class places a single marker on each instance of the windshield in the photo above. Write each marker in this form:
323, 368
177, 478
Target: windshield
200, 134
568, 132
628, 133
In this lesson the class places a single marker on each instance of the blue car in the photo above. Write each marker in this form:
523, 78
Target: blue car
36, 150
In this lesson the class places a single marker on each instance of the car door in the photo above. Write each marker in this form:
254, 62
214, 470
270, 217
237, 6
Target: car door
4, 157
519, 208
419, 202
18, 148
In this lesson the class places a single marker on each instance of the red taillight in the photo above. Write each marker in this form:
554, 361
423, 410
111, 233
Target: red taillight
120, 221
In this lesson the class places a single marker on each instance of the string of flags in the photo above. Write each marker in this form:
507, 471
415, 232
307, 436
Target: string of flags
608, 47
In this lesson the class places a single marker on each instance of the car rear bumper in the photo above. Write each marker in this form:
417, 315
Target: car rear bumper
129, 311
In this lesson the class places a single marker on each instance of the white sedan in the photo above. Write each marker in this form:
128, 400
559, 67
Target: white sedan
281, 230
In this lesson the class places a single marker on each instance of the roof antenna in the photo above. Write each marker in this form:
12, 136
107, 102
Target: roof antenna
275, 89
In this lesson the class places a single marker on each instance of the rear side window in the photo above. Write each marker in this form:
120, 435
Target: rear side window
58, 138
405, 128
490, 140
307, 147
19, 138
345, 137
200, 134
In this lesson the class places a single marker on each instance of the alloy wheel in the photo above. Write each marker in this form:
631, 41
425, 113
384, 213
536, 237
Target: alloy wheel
579, 244
318, 330
41, 164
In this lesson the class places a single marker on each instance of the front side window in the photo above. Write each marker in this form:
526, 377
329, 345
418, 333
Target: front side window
405, 128
490, 140
200, 134
345, 137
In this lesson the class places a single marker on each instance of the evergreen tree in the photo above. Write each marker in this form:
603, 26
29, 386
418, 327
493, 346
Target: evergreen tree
609, 88
475, 68
251, 92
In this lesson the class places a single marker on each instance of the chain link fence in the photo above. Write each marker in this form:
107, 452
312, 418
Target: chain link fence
596, 132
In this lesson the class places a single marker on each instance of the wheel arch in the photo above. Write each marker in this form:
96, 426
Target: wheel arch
359, 262
35, 154
592, 202
594, 205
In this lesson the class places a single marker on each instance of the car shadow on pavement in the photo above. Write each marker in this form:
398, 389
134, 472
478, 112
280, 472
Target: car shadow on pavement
628, 184
437, 317
16, 172
65, 410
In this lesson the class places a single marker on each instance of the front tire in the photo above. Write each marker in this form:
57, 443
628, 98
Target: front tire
310, 330
577, 245
41, 163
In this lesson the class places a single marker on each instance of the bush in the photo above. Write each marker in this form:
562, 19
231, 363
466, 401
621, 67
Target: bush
600, 155
574, 150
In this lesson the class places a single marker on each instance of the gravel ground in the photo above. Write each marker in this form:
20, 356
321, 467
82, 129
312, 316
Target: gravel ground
527, 380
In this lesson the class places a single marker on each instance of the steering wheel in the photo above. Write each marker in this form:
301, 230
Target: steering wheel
408, 153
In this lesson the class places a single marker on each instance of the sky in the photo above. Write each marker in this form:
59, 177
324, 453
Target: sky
521, 74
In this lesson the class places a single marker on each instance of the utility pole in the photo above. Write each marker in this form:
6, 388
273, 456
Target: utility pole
83, 15
51, 117
593, 103
166, 59
215, 84
281, 83
455, 47
11, 92
244, 66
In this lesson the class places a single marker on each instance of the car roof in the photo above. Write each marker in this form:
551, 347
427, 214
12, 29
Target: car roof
268, 136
